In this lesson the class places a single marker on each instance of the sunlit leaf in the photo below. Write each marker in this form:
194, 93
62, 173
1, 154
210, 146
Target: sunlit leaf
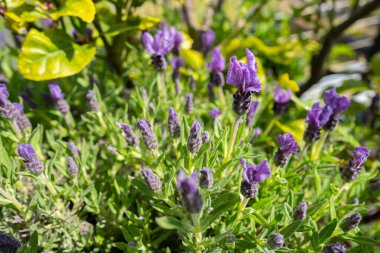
84, 9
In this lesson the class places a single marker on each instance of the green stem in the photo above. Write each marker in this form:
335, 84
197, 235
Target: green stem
241, 208
232, 138
197, 232
221, 96
162, 84
318, 147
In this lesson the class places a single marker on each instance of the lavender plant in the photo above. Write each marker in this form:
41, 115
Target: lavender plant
138, 163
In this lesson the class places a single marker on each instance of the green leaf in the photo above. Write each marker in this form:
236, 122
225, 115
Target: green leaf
84, 9
33, 242
52, 54
290, 229
167, 222
327, 231
363, 240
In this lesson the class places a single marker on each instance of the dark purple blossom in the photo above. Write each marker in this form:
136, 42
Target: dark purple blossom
173, 123
276, 241
191, 198
281, 95
152, 180
215, 113
177, 62
148, 135
195, 141
8, 244
31, 160
252, 176
338, 104
334, 248
351, 171
316, 118
244, 75
351, 222
300, 211
287, 147
206, 178
251, 112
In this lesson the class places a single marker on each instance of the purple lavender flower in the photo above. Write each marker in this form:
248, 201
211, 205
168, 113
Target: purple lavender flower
57, 96
276, 241
244, 75
195, 141
351, 222
215, 113
216, 67
158, 46
251, 113
245, 78
205, 137
177, 63
21, 120
207, 40
189, 106
316, 118
338, 104
300, 211
191, 198
93, 103
177, 40
287, 147
7, 109
173, 123
148, 135
252, 176
112, 150
256, 132
72, 167
152, 180
351, 171
334, 248
8, 244
4, 90
73, 149
31, 160
281, 100
206, 179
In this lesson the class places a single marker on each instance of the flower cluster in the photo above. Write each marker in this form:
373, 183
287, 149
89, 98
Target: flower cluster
351, 171
287, 147
191, 197
252, 176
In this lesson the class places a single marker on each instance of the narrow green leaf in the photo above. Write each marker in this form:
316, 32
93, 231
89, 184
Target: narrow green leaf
327, 231
291, 229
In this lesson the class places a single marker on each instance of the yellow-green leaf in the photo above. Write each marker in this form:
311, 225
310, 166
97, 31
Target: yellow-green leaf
84, 9
193, 58
52, 54
287, 83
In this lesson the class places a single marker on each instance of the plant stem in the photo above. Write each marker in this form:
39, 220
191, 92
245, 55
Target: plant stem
233, 138
162, 84
318, 147
243, 203
197, 232
221, 96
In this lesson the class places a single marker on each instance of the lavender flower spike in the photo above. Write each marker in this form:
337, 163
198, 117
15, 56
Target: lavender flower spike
208, 38
57, 96
276, 241
245, 78
21, 120
338, 105
334, 248
316, 118
351, 171
73, 149
216, 67
287, 147
93, 103
195, 141
152, 180
72, 167
251, 112
281, 100
215, 113
252, 176
173, 123
191, 198
31, 160
130, 136
351, 222
206, 179
177, 63
189, 106
148, 135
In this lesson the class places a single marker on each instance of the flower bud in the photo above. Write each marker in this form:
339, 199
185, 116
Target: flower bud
152, 180
189, 106
173, 123
73, 149
249, 190
351, 222
231, 238
130, 136
8, 244
300, 211
92, 102
206, 179
72, 167
205, 137
334, 248
195, 141
159, 62
149, 137
276, 241
31, 161
191, 198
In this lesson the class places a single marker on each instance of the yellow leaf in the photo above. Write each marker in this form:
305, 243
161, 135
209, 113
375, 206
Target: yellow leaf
84, 9
287, 83
193, 58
